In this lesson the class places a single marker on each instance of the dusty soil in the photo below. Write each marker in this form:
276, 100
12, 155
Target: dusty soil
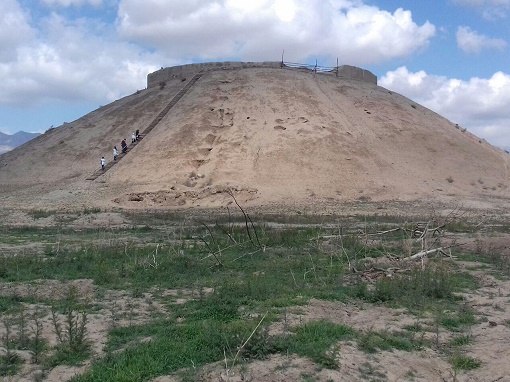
276, 138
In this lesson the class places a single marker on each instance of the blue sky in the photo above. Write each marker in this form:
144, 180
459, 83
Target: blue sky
60, 59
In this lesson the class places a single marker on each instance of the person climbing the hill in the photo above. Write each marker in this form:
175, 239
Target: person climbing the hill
115, 153
103, 162
133, 138
123, 145
137, 134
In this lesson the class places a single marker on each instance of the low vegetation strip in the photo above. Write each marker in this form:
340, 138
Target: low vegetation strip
213, 292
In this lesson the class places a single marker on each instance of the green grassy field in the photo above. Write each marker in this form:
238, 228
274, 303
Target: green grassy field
237, 276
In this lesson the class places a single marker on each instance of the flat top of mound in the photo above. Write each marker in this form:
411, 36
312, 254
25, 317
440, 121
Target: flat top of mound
270, 137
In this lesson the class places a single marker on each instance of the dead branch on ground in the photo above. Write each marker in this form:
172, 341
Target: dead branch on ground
440, 250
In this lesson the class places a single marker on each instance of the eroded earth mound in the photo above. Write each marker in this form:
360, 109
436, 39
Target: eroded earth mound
270, 136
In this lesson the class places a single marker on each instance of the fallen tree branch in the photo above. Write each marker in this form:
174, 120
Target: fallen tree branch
361, 233
388, 231
249, 254
440, 250
422, 254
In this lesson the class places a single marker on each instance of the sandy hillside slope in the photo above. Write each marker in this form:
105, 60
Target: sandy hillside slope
273, 136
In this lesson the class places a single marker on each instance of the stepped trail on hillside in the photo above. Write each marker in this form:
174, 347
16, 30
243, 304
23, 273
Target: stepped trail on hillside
149, 128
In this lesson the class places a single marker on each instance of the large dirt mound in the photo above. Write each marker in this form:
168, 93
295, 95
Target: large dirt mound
271, 136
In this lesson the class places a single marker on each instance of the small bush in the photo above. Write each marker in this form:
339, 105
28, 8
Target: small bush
40, 214
499, 260
455, 320
370, 373
315, 339
10, 302
462, 340
465, 363
260, 346
372, 342
10, 364
416, 288
415, 328
92, 210
73, 345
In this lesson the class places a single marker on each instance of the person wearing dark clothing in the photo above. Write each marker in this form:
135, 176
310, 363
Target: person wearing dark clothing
123, 144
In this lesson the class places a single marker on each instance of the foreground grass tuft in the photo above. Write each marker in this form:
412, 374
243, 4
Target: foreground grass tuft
372, 342
10, 364
465, 363
315, 340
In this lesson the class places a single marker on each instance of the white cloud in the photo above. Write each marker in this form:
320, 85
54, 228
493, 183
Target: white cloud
260, 29
490, 9
14, 29
76, 60
68, 3
471, 42
5, 148
85, 59
481, 105
480, 3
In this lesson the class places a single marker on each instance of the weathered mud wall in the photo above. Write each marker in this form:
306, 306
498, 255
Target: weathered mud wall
348, 71
184, 71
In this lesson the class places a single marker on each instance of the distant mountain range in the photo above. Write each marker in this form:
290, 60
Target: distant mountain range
9, 142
